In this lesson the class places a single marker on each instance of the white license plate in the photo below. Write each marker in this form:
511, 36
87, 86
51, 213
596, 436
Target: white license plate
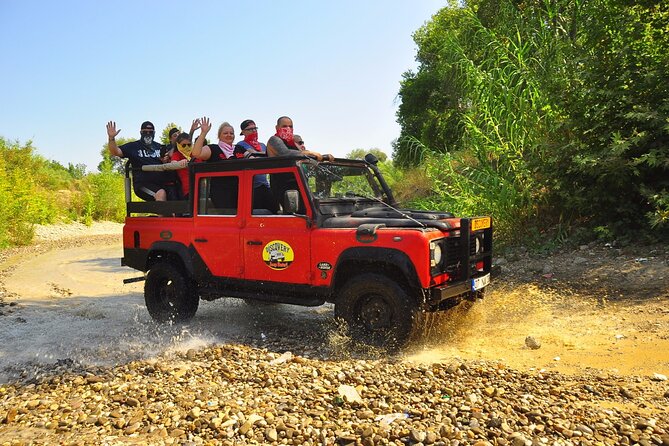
480, 282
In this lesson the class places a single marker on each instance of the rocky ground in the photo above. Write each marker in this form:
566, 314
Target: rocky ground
257, 392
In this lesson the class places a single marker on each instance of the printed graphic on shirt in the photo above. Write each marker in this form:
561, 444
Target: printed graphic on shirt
278, 255
142, 153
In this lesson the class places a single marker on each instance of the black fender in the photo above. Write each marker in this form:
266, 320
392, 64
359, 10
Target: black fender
392, 262
172, 249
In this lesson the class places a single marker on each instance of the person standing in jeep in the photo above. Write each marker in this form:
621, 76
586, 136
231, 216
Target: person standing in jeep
283, 142
214, 152
148, 186
250, 146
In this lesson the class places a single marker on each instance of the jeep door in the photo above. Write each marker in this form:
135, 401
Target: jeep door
217, 223
277, 247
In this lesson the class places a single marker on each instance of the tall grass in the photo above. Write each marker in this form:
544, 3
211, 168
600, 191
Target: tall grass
507, 121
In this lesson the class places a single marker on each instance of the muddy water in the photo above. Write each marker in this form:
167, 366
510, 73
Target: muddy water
72, 307
576, 333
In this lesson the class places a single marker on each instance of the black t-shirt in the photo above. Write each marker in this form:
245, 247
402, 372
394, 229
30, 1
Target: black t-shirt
216, 153
141, 155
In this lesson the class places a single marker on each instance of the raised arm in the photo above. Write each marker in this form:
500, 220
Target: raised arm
200, 151
111, 133
194, 126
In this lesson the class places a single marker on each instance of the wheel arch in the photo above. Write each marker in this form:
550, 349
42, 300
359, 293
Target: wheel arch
393, 263
175, 252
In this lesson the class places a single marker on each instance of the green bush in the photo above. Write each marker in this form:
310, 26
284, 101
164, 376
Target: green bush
557, 113
34, 190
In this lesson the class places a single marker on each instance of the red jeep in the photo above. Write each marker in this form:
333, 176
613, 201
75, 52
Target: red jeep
338, 237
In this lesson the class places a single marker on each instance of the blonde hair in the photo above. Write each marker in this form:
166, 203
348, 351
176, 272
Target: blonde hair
224, 125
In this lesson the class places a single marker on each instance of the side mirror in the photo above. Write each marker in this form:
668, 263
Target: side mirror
370, 158
291, 201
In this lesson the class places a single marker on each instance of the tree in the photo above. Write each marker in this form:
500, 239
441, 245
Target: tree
165, 134
77, 171
559, 108
117, 163
359, 154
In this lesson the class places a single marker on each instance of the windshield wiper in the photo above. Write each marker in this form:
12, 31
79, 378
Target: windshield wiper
403, 214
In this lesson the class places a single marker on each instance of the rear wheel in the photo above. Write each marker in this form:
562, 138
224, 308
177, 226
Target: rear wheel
170, 296
377, 311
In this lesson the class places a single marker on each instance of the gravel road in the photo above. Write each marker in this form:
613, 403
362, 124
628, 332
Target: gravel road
82, 363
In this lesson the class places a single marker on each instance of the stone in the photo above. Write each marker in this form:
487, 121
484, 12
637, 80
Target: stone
11, 415
271, 434
349, 394
176, 433
627, 393
417, 435
532, 343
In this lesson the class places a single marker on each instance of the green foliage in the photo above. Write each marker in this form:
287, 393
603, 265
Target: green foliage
34, 190
553, 112
616, 164
104, 194
165, 134
27, 183
118, 164
359, 154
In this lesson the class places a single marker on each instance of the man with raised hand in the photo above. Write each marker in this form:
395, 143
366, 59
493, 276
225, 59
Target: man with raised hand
148, 186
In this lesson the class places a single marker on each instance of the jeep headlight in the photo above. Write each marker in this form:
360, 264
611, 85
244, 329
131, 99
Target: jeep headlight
435, 254
478, 243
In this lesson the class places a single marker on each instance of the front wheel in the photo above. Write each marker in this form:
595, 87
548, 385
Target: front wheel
169, 294
377, 311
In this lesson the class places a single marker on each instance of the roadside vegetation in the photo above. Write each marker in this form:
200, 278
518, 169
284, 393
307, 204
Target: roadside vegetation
546, 115
553, 117
34, 190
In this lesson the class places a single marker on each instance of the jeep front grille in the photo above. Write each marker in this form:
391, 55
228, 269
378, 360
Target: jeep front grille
459, 259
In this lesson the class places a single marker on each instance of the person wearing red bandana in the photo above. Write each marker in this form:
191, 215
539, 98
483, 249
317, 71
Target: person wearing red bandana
283, 142
248, 147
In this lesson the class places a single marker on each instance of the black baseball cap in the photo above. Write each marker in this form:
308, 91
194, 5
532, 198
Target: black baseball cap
173, 130
245, 123
148, 125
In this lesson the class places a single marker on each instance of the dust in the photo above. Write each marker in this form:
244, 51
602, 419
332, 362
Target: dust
577, 333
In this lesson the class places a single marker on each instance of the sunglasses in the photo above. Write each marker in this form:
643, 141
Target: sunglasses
185, 145
251, 129
299, 142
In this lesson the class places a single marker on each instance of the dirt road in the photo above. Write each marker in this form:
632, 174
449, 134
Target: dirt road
65, 304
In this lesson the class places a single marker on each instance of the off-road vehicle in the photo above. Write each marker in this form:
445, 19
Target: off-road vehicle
338, 236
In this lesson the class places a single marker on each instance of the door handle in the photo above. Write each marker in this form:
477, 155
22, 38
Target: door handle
201, 240
254, 242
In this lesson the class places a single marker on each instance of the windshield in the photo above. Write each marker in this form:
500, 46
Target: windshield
336, 181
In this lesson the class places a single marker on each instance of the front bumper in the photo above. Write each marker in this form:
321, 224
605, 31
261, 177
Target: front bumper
444, 297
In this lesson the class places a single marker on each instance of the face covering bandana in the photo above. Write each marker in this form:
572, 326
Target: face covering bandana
252, 140
286, 134
147, 138
185, 150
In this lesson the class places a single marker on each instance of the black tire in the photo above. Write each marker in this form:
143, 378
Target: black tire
170, 296
377, 311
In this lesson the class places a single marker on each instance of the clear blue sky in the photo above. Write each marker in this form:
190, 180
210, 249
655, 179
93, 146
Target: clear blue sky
334, 67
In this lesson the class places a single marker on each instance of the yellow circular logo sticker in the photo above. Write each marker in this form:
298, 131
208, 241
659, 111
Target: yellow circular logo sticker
278, 254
